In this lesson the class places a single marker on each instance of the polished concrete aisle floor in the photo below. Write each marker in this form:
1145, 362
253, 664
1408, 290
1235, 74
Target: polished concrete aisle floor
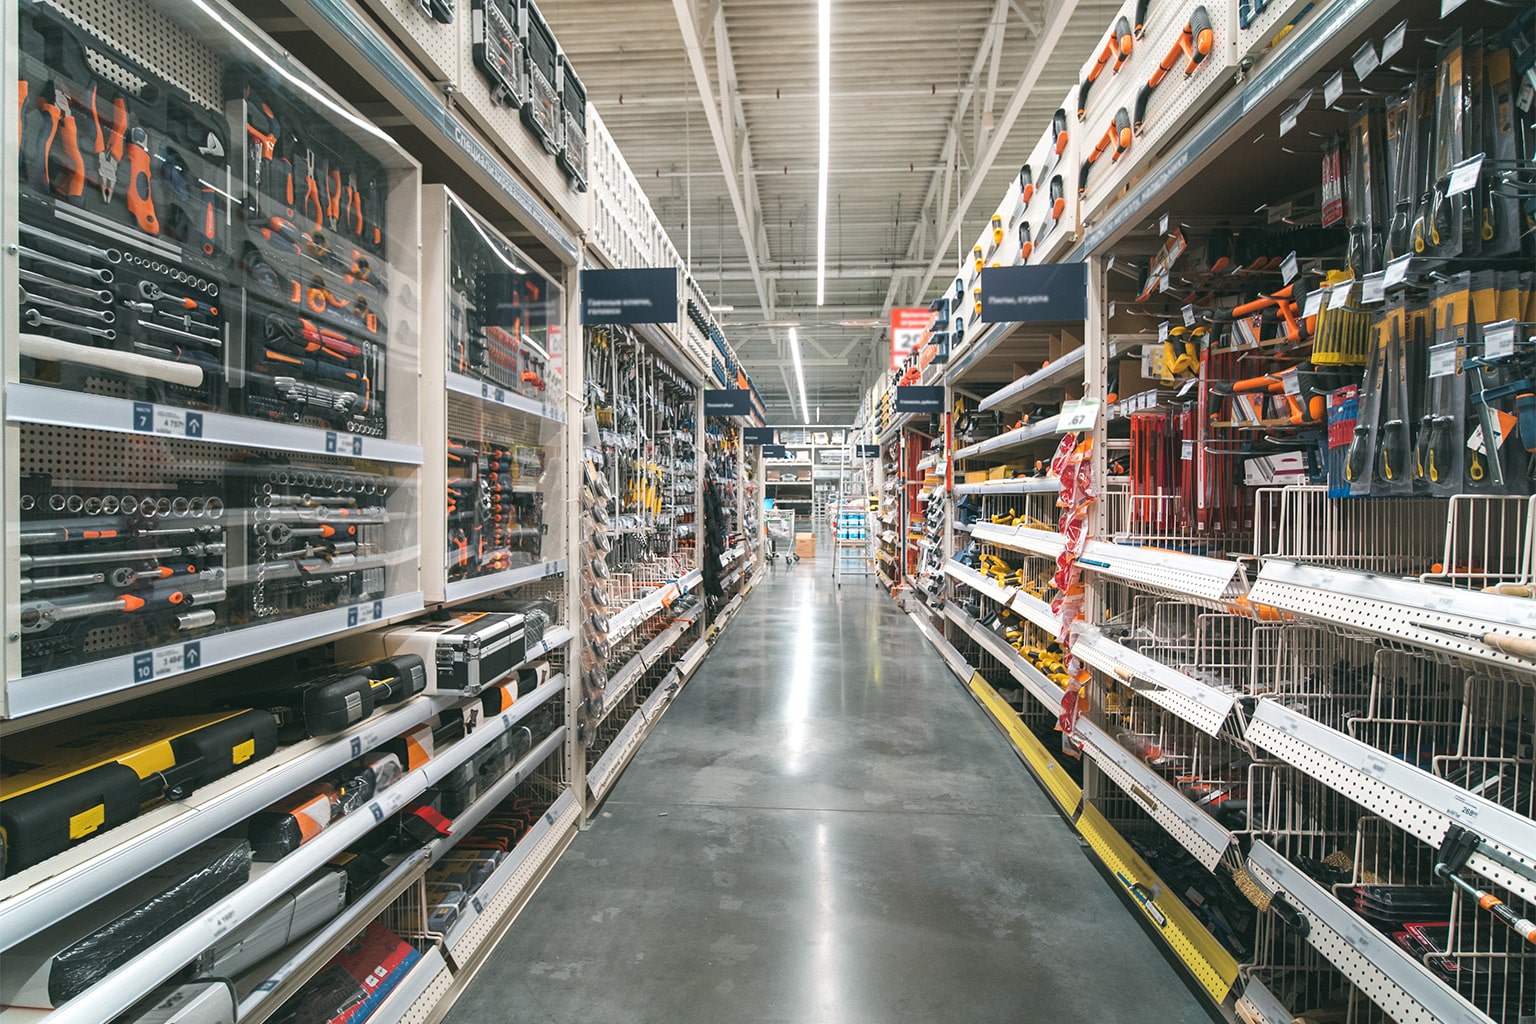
825, 828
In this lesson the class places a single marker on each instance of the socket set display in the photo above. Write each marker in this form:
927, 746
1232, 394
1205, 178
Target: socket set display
504, 325
111, 568
193, 234
495, 508
317, 537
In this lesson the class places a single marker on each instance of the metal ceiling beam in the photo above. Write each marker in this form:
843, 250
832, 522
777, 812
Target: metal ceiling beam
725, 137
738, 272
1044, 43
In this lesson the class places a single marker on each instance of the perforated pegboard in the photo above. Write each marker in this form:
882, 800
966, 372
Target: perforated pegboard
74, 457
432, 44
504, 127
1396, 982
1190, 827
623, 222
1262, 29
423, 1009
171, 47
536, 849
1417, 802
1112, 90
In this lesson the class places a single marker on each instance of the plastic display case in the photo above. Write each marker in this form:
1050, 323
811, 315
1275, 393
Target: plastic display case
211, 397
493, 331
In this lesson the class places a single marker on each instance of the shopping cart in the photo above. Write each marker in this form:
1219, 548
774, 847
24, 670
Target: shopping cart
779, 524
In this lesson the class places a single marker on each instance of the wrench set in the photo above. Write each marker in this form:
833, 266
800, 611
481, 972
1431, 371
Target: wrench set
501, 313
107, 569
316, 539
495, 505
162, 260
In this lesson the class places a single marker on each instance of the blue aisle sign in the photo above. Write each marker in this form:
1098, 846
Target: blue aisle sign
727, 402
919, 399
757, 435
1052, 292
629, 296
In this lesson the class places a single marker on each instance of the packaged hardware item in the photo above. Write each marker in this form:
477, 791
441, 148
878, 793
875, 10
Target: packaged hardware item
207, 1001
64, 959
355, 982
296, 914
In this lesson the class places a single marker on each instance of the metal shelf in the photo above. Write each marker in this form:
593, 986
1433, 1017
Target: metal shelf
1063, 369
496, 395
625, 678
1199, 833
1025, 539
957, 664
1451, 622
1419, 803
1012, 439
610, 765
1203, 706
1215, 580
1027, 605
627, 619
1375, 964
513, 879
123, 987
500, 790
41, 895
479, 586
44, 690
32, 403
1258, 1004
307, 959
1019, 485
1033, 680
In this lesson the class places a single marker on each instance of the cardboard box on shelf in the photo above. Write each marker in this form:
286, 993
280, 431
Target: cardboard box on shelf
976, 476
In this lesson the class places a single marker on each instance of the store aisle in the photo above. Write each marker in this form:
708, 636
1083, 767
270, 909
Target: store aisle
825, 829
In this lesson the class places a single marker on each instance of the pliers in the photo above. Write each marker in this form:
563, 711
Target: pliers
109, 143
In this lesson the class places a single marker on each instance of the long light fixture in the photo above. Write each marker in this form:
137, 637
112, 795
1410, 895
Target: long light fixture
794, 351
824, 17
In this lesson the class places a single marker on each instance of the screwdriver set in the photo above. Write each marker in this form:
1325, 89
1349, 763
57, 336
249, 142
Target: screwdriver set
503, 316
495, 507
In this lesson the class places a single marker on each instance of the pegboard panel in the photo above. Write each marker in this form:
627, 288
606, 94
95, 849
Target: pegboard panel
79, 458
503, 126
1175, 103
1114, 89
471, 418
622, 218
172, 48
1063, 231
1261, 22
423, 1009
434, 46
1396, 982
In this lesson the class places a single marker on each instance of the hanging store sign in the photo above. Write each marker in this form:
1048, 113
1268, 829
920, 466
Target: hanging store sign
1053, 292
757, 435
908, 329
867, 451
919, 399
727, 402
775, 451
629, 296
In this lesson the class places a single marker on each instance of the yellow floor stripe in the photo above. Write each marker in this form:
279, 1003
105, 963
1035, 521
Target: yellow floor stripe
1052, 776
1212, 965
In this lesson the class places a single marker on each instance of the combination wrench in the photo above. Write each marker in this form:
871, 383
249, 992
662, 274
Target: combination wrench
110, 255
35, 319
104, 276
102, 296
101, 316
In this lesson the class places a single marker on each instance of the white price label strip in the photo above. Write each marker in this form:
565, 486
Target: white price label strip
1397, 271
1373, 288
1393, 44
1289, 269
1464, 175
1333, 89
1499, 340
1338, 296
1365, 60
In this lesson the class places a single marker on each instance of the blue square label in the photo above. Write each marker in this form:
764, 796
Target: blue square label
330, 441
378, 610
352, 616
143, 417
357, 446
191, 655
143, 667
194, 424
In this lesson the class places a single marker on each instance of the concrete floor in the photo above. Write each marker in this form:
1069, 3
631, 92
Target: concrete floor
825, 828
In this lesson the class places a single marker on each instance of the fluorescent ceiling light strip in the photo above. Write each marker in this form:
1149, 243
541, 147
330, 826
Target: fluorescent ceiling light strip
825, 78
794, 351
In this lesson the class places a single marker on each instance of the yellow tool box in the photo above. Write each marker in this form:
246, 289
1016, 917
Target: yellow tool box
59, 786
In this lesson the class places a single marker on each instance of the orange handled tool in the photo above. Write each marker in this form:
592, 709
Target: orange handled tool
141, 200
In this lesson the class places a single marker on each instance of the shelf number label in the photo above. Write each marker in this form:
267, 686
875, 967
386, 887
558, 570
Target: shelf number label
167, 661
149, 418
360, 614
342, 444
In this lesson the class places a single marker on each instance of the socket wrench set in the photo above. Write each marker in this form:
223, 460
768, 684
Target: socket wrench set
190, 233
107, 569
503, 317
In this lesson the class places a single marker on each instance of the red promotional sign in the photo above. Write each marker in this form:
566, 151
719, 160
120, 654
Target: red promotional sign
909, 329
